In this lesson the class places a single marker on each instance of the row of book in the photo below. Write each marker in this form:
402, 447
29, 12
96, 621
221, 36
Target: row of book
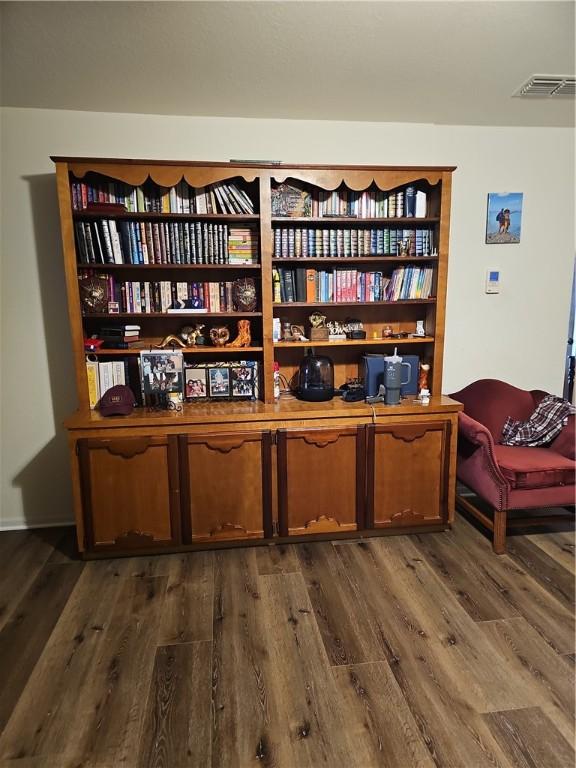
159, 296
108, 241
227, 198
367, 204
350, 285
301, 242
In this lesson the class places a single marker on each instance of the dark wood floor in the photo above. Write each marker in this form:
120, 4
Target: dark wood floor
402, 651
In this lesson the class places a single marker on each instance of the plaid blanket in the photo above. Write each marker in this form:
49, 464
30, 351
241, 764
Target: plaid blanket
545, 424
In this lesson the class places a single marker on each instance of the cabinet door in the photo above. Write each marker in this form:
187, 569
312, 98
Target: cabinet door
407, 474
321, 480
130, 492
226, 486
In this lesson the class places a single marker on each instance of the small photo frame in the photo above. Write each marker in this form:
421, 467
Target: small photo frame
504, 218
195, 383
219, 380
242, 381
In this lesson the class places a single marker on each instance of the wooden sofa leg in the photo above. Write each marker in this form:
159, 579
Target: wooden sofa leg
499, 539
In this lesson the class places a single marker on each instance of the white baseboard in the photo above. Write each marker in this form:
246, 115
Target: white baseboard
20, 526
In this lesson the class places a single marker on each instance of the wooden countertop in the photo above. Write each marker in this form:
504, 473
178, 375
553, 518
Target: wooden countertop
287, 409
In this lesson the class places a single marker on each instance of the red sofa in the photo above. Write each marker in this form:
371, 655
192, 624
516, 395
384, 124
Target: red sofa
510, 477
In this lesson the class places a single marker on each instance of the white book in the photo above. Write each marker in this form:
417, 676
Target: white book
420, 204
115, 240
118, 372
105, 377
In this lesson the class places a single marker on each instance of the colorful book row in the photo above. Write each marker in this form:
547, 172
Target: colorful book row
302, 242
227, 198
108, 241
350, 285
293, 199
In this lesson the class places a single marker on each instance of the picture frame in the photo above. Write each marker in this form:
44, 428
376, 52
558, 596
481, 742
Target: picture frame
242, 381
219, 381
504, 218
195, 383
162, 373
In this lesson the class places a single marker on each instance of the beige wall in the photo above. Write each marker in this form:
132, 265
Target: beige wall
518, 335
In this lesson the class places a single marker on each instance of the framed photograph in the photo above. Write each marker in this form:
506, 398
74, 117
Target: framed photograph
242, 381
162, 372
219, 382
195, 383
504, 219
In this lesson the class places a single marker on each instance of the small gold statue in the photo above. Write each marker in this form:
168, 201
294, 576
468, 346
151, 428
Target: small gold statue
318, 329
171, 341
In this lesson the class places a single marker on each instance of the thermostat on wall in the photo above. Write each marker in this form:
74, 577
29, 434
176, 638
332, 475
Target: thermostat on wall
492, 281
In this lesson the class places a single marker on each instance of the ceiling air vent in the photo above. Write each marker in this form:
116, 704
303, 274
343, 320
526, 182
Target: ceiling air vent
542, 86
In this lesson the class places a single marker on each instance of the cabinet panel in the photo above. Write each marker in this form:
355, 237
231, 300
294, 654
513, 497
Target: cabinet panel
407, 474
321, 477
226, 486
130, 492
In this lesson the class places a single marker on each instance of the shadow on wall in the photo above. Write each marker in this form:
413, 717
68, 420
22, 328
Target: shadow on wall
45, 481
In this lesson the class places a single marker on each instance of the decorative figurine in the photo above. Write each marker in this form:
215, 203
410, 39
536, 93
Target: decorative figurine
387, 332
191, 334
219, 335
318, 329
244, 294
336, 331
419, 328
243, 339
171, 341
423, 376
297, 333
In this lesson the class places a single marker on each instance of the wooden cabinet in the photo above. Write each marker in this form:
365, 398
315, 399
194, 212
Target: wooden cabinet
130, 492
408, 474
152, 246
226, 486
321, 478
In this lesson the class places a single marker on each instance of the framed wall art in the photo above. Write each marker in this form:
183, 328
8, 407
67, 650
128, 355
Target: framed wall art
504, 219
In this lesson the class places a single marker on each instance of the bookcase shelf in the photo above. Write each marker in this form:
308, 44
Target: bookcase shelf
354, 342
197, 315
296, 304
353, 220
234, 466
152, 216
349, 261
148, 183
183, 267
200, 350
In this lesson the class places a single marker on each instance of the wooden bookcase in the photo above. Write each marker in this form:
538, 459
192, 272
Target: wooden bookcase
237, 472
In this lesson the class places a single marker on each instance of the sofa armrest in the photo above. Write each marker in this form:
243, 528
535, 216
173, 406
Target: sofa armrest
476, 458
565, 443
474, 432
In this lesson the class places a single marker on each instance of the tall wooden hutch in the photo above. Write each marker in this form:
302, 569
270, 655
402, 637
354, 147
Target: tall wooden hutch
236, 472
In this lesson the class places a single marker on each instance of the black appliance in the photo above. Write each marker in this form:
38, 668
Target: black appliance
316, 378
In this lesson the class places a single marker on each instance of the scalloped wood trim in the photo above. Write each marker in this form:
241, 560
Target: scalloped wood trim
165, 176
133, 539
233, 531
321, 441
129, 447
324, 523
359, 180
408, 514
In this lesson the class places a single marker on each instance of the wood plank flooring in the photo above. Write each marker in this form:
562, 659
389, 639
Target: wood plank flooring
400, 652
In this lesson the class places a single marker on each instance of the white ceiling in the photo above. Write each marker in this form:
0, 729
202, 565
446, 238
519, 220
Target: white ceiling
432, 62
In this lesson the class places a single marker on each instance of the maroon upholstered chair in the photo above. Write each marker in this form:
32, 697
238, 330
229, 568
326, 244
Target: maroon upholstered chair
510, 477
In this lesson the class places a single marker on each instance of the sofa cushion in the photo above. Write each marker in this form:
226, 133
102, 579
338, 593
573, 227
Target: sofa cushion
534, 467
